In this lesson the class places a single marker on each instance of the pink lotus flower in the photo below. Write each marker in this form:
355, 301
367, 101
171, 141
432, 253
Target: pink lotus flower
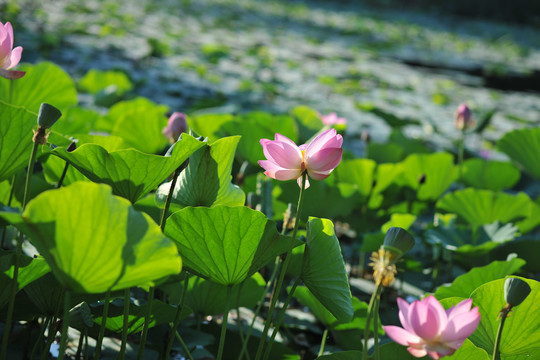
430, 330
175, 126
333, 119
286, 161
8, 57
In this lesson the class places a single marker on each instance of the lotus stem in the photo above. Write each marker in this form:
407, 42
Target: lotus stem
323, 342
283, 271
224, 324
65, 325
503, 314
127, 296
370, 312
184, 346
41, 335
97, 351
176, 322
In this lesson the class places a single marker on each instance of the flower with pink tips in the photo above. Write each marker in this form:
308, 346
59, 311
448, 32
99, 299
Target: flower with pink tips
428, 329
287, 161
9, 57
333, 119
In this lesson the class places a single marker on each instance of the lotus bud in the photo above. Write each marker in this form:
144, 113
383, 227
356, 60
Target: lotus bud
176, 125
515, 291
48, 115
462, 117
398, 242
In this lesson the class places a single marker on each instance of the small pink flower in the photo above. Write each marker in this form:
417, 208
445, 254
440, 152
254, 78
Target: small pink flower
333, 119
430, 330
286, 161
463, 117
175, 126
8, 57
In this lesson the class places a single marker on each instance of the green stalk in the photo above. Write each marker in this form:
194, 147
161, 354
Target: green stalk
127, 297
11, 191
177, 317
368, 320
503, 314
259, 306
323, 342
61, 180
224, 324
461, 152
65, 324
81, 343
14, 284
50, 338
163, 222
376, 325
184, 346
40, 337
283, 271
97, 351
280, 319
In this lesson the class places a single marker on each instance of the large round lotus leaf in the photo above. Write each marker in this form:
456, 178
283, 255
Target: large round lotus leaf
19, 107
324, 271
523, 146
480, 207
225, 244
207, 179
521, 332
206, 297
131, 173
465, 284
491, 175
359, 172
94, 241
437, 170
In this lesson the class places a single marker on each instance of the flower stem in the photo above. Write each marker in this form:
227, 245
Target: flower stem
224, 323
127, 297
184, 346
280, 319
61, 180
461, 151
503, 314
323, 342
144, 332
370, 312
376, 325
97, 351
176, 322
283, 271
41, 335
259, 306
65, 325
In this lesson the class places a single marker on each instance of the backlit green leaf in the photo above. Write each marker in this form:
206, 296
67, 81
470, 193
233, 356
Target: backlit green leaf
94, 241
523, 146
491, 175
225, 244
324, 270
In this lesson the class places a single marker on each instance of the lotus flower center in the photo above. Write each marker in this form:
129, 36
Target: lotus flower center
303, 166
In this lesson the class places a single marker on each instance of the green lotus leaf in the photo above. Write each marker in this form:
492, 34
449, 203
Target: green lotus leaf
490, 175
225, 244
523, 146
480, 207
19, 107
465, 284
131, 173
94, 241
253, 127
30, 270
207, 179
324, 271
359, 172
206, 297
521, 334
437, 169
95, 81
140, 122
209, 125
